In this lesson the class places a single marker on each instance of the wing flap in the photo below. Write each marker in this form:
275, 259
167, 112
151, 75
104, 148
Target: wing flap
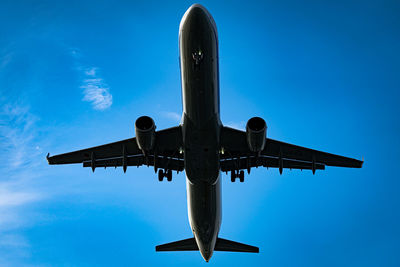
269, 162
174, 164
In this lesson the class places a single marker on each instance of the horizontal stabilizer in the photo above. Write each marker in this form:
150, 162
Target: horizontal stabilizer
181, 245
221, 245
227, 245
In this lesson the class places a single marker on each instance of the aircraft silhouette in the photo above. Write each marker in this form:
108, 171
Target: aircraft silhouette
201, 146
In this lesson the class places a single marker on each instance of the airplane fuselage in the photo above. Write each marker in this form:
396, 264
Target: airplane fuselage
201, 125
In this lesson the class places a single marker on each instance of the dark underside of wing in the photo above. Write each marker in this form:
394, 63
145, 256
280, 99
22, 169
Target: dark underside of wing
163, 162
237, 156
127, 153
268, 162
276, 154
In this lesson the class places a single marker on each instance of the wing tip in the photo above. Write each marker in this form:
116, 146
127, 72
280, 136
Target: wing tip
48, 158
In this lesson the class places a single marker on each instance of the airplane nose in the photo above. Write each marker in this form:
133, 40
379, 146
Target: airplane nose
197, 14
198, 21
196, 17
197, 9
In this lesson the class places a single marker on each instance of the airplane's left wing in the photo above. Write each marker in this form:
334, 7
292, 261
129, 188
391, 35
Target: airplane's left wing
276, 154
127, 153
112, 150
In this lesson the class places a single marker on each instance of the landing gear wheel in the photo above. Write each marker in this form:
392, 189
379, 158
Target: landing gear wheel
169, 175
241, 176
233, 176
160, 175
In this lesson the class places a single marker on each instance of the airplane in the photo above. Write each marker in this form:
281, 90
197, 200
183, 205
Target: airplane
201, 145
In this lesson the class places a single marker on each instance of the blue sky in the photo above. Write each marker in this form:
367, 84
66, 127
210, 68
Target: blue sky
75, 74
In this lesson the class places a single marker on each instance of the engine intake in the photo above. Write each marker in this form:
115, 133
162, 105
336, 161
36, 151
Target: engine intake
256, 130
145, 130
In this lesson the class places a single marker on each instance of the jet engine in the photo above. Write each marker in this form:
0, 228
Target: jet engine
256, 130
145, 130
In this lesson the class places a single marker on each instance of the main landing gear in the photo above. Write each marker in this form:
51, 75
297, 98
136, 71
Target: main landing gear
237, 174
162, 174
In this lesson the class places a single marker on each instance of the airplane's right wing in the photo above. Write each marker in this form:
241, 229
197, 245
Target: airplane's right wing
246, 163
274, 148
276, 154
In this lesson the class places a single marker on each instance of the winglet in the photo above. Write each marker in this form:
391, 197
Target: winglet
48, 158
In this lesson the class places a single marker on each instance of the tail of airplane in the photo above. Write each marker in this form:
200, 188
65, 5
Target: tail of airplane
181, 245
221, 245
228, 245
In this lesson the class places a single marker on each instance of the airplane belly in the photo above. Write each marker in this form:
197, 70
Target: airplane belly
198, 51
201, 150
198, 44
201, 125
204, 212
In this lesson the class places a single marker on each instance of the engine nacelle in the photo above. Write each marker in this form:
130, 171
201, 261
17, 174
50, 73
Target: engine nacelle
256, 131
145, 130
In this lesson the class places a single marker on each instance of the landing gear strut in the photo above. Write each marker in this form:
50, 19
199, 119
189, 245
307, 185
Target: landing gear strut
169, 175
237, 174
241, 176
233, 176
162, 174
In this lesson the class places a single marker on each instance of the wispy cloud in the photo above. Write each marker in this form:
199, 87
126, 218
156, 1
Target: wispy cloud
91, 72
96, 90
5, 59
13, 240
10, 197
17, 134
21, 155
176, 117
14, 197
16, 248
